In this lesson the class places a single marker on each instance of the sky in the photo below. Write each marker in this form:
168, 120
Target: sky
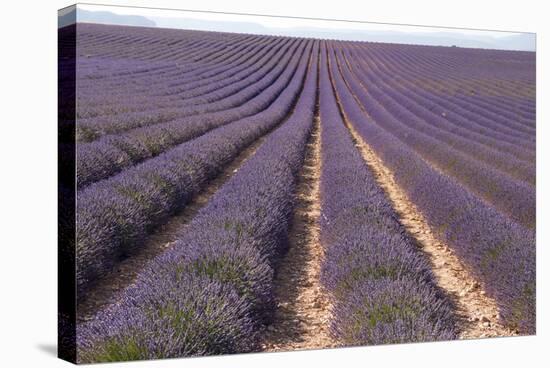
301, 27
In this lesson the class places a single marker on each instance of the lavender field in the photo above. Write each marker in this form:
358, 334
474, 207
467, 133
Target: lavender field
240, 193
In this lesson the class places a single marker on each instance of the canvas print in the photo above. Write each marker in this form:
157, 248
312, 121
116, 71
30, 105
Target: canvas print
233, 184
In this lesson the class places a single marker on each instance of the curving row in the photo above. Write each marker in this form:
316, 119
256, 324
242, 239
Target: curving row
478, 89
111, 154
497, 250
436, 103
176, 73
212, 291
458, 135
98, 100
114, 215
211, 97
382, 288
515, 198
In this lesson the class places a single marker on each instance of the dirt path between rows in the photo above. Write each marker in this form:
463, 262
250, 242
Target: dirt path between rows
477, 313
302, 317
107, 289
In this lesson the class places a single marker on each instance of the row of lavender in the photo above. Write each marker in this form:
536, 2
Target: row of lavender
115, 215
515, 198
160, 78
113, 153
484, 95
211, 293
117, 153
413, 50
454, 163
105, 90
491, 121
167, 86
383, 290
157, 108
115, 41
499, 251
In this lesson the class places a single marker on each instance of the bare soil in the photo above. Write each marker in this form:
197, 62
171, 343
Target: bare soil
106, 290
303, 313
477, 313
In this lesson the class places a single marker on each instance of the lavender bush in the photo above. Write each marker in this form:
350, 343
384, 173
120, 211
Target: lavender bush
383, 290
233, 244
105, 157
115, 215
161, 113
503, 258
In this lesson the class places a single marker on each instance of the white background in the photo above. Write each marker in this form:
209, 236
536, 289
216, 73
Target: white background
28, 221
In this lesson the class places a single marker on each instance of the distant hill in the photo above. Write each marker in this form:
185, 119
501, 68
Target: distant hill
428, 38
514, 41
523, 42
211, 25
104, 17
415, 38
